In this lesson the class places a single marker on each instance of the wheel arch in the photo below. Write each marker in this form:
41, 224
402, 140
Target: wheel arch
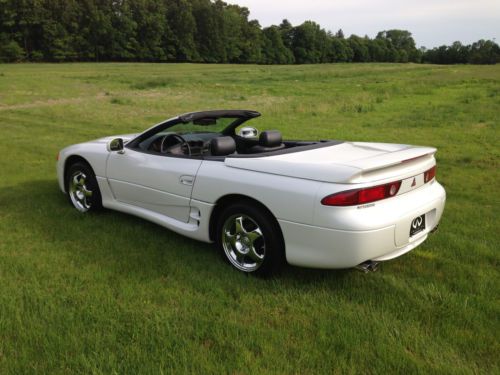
229, 199
70, 160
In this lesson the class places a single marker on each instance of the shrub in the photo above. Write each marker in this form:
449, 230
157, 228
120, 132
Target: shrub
10, 51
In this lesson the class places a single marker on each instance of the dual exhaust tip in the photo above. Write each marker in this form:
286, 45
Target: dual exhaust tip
372, 266
368, 266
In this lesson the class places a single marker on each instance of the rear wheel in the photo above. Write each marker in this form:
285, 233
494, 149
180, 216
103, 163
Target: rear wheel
250, 239
82, 188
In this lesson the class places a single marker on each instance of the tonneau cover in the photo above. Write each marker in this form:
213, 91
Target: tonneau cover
348, 162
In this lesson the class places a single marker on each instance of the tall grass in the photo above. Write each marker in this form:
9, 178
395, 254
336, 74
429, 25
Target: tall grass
110, 293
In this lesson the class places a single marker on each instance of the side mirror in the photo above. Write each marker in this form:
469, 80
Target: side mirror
115, 145
248, 132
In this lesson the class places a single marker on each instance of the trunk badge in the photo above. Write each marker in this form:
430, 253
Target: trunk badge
414, 182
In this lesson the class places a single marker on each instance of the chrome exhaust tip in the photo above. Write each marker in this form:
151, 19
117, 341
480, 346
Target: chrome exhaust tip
368, 266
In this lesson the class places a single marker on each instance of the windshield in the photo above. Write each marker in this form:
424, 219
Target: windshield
199, 131
202, 126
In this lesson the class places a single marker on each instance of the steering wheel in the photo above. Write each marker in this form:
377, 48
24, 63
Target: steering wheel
181, 141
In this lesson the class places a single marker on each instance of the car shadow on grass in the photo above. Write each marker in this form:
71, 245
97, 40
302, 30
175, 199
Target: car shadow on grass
124, 243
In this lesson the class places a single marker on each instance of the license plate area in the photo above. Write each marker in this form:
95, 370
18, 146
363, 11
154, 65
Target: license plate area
417, 225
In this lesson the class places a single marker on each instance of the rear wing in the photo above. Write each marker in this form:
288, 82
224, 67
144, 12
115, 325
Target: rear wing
412, 160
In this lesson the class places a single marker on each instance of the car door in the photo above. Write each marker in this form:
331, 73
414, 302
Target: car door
158, 183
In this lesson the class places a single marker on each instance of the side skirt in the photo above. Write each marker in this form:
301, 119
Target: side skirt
197, 226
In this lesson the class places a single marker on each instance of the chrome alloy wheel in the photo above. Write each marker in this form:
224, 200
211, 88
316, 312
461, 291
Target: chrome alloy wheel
79, 193
243, 242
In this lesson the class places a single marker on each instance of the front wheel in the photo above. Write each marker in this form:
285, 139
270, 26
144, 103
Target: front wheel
82, 188
250, 239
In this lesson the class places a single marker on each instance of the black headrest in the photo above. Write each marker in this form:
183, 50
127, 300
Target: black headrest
222, 146
270, 138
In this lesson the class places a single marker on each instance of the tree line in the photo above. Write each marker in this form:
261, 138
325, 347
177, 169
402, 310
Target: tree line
197, 31
480, 52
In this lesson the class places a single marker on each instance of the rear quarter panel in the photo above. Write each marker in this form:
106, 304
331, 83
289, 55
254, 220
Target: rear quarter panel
287, 198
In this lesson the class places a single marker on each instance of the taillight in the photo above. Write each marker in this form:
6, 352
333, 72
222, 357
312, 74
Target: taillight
57, 157
429, 174
362, 196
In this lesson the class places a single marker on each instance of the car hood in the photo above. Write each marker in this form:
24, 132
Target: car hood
348, 162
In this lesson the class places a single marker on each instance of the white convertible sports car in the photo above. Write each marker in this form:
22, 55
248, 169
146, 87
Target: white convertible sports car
262, 200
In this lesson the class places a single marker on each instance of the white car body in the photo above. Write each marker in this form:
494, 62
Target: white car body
181, 194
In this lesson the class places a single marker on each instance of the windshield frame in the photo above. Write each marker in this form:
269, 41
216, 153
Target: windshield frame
240, 117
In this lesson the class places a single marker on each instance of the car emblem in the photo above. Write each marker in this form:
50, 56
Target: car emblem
414, 182
417, 222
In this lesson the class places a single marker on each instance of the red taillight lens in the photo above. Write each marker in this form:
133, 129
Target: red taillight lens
430, 174
344, 198
372, 194
362, 196
57, 157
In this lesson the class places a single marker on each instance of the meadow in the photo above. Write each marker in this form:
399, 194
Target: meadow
109, 293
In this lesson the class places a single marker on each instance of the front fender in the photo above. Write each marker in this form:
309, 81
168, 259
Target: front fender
95, 154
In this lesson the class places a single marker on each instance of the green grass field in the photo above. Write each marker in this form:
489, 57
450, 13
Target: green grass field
110, 293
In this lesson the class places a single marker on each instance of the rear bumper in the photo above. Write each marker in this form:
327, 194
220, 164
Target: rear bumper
320, 247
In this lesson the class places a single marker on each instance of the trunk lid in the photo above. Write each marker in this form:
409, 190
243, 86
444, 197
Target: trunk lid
348, 163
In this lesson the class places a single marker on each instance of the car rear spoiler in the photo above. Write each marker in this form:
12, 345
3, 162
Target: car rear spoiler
393, 164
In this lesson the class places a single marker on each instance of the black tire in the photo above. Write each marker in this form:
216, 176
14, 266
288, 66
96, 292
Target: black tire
88, 203
271, 245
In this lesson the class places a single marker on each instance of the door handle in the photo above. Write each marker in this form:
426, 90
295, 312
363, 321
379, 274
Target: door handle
187, 180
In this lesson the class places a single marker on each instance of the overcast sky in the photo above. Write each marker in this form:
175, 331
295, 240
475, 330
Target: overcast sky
432, 22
